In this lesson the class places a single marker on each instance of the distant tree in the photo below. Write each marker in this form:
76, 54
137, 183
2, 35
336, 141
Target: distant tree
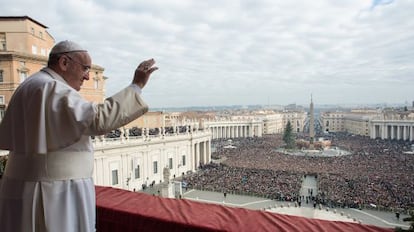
289, 137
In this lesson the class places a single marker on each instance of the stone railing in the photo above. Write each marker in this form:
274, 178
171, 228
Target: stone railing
100, 142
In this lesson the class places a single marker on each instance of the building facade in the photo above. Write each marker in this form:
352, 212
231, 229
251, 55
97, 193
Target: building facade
133, 162
355, 122
373, 123
273, 123
393, 126
24, 49
297, 120
358, 124
333, 121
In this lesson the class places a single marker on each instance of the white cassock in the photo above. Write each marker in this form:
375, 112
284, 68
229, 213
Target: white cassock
47, 184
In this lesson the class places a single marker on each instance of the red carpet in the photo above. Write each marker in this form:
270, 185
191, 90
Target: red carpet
120, 210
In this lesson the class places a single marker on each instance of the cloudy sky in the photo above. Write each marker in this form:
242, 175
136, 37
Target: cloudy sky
228, 52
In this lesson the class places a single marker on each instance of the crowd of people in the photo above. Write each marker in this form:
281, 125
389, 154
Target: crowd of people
269, 183
377, 172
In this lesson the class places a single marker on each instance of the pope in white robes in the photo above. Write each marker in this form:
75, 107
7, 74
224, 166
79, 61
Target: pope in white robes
47, 184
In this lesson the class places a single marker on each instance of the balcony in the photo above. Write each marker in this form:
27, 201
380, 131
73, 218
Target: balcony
121, 210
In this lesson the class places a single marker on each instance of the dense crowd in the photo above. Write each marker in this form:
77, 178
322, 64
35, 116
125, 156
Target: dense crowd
377, 172
273, 184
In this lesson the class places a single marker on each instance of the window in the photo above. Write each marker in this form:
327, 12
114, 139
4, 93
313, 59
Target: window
41, 34
34, 49
3, 41
170, 163
32, 31
115, 177
96, 83
155, 167
2, 111
1, 76
137, 176
2, 101
23, 76
183, 159
43, 52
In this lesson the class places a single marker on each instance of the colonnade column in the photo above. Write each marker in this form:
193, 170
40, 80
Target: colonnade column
379, 135
404, 132
219, 130
398, 132
411, 133
196, 156
373, 131
214, 133
205, 152
208, 151
236, 131
387, 131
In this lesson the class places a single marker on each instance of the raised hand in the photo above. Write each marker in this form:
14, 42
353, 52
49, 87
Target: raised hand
143, 72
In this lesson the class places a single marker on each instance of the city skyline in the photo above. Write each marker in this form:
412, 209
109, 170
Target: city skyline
243, 52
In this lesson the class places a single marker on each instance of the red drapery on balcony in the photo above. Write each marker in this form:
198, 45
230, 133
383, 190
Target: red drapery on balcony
121, 210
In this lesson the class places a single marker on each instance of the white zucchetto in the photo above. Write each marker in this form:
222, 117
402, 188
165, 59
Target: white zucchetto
66, 46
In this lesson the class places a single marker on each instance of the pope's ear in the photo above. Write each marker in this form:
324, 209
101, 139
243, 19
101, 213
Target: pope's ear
63, 62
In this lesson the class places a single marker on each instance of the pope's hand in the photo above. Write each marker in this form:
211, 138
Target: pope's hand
143, 72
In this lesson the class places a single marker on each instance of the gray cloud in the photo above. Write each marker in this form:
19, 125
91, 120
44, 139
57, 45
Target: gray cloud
243, 52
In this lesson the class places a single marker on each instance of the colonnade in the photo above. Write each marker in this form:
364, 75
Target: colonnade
401, 130
202, 153
230, 131
235, 129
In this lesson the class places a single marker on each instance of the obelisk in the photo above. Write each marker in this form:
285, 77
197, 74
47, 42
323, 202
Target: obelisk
311, 125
